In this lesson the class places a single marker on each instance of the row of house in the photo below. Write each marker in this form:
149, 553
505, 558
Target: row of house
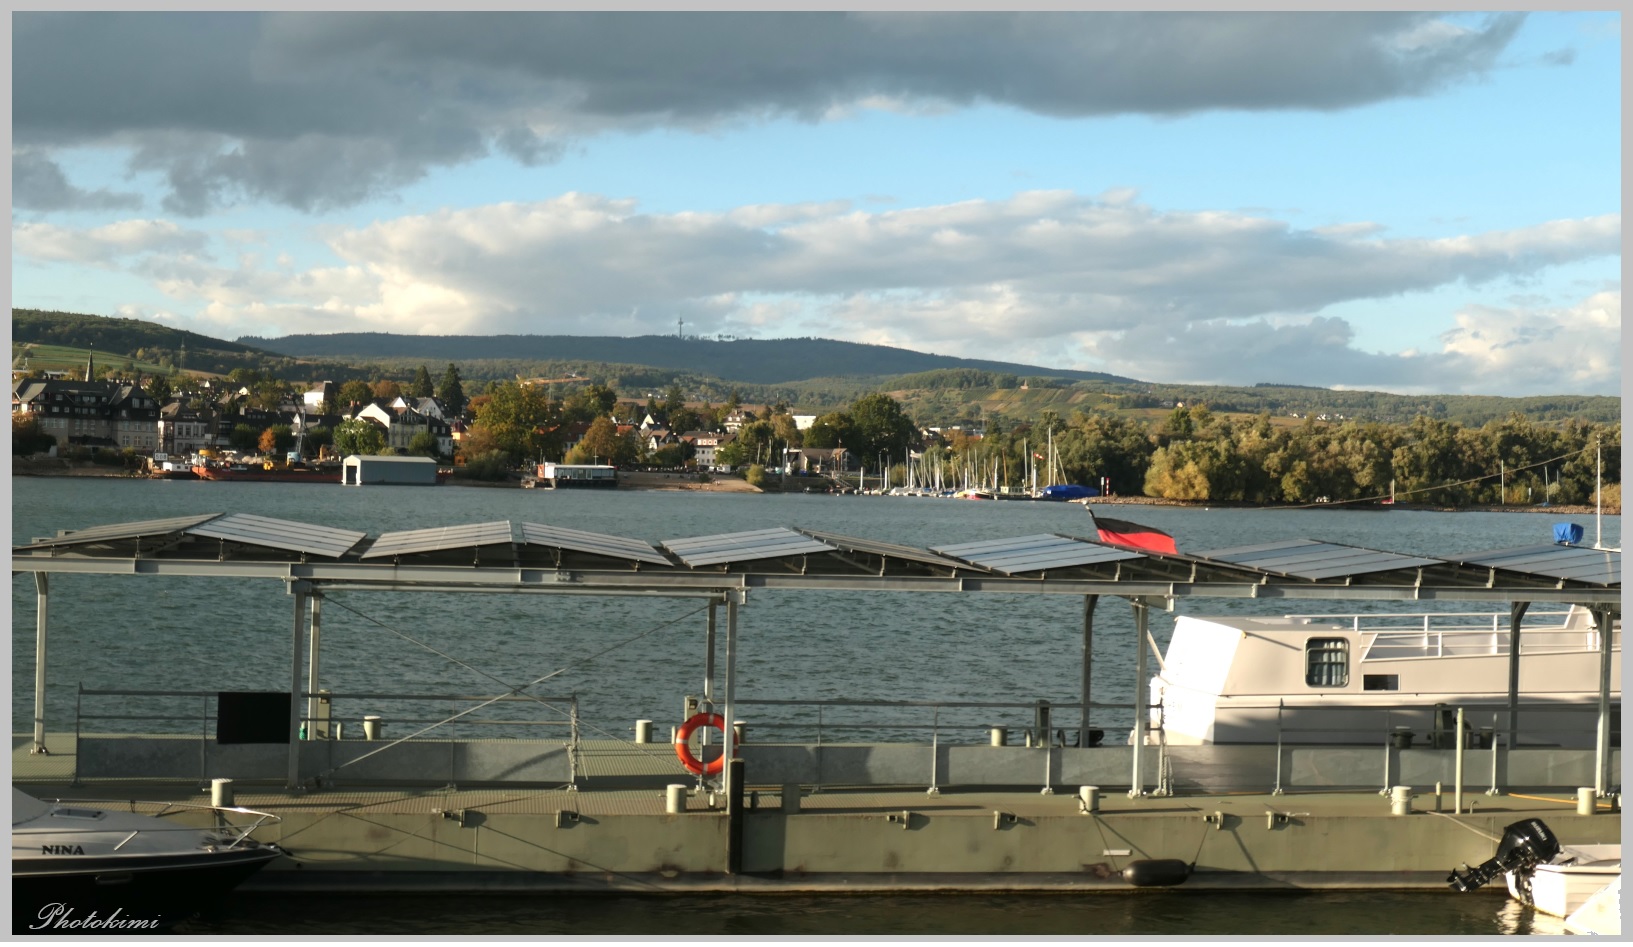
122, 416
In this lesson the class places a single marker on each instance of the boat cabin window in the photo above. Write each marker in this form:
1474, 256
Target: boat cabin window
1381, 682
1326, 662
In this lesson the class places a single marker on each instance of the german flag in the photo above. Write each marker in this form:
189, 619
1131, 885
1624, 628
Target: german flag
1133, 535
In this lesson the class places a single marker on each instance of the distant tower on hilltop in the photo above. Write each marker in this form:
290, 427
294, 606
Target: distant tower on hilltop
678, 324
90, 364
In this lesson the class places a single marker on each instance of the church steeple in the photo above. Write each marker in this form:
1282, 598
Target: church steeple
90, 364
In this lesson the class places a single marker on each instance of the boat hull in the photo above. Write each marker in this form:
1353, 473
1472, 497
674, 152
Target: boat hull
102, 894
260, 475
1562, 889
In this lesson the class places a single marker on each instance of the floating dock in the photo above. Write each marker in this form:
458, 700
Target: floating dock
577, 814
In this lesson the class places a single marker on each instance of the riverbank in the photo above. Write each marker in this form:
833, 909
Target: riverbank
645, 480
1556, 509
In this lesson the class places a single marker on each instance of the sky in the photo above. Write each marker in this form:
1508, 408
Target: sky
1408, 202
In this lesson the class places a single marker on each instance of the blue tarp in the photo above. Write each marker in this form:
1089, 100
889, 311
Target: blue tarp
1068, 491
1569, 534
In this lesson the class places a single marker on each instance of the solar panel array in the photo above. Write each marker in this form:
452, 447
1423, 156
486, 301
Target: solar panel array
1312, 559
1553, 561
616, 547
744, 547
272, 533
439, 539
117, 531
1544, 565
1035, 553
888, 550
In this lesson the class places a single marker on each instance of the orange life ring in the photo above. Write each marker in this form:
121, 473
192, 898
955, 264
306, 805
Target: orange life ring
683, 748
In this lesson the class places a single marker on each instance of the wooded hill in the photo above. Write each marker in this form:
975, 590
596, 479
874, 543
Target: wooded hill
148, 345
750, 361
809, 375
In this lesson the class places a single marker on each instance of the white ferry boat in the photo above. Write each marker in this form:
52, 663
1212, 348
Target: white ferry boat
1361, 679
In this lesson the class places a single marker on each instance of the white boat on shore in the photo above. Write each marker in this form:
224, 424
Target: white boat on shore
1361, 679
83, 868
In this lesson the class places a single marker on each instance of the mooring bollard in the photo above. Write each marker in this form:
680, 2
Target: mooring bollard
1400, 800
675, 799
372, 725
643, 731
221, 793
1586, 802
1090, 797
1000, 736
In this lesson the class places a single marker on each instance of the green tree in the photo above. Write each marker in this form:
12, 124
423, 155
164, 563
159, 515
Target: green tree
159, 387
603, 444
244, 438
420, 387
424, 444
518, 417
354, 394
879, 427
359, 436
451, 392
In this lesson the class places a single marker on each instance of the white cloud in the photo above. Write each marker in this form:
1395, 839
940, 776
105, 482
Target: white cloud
1121, 287
101, 245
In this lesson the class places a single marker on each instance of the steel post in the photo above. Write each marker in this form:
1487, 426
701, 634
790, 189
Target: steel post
316, 639
1089, 602
300, 591
1601, 761
1516, 615
1141, 693
42, 599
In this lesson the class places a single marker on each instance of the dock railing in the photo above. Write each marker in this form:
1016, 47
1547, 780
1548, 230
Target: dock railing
953, 728
151, 734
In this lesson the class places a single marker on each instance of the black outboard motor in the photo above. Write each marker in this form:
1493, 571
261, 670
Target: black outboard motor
1524, 845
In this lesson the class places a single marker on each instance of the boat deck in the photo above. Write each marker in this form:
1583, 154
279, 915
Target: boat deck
838, 838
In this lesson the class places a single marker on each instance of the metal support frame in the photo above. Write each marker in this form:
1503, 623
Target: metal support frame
42, 598
1089, 601
729, 750
1142, 609
1601, 763
1516, 615
708, 662
315, 639
300, 590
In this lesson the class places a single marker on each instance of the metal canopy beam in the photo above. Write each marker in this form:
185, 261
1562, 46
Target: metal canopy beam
461, 578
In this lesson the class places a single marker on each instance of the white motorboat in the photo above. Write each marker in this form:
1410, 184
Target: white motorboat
1579, 882
1564, 884
84, 868
1363, 678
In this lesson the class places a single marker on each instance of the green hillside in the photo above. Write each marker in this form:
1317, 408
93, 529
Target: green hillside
753, 361
809, 375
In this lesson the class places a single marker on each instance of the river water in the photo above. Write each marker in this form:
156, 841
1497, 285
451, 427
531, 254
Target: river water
628, 659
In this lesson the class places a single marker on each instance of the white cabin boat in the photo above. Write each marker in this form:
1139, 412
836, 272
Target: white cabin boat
1361, 679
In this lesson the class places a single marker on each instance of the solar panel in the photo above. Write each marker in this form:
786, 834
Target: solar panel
744, 547
886, 550
1553, 561
271, 533
1312, 559
617, 547
1035, 553
439, 539
117, 531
